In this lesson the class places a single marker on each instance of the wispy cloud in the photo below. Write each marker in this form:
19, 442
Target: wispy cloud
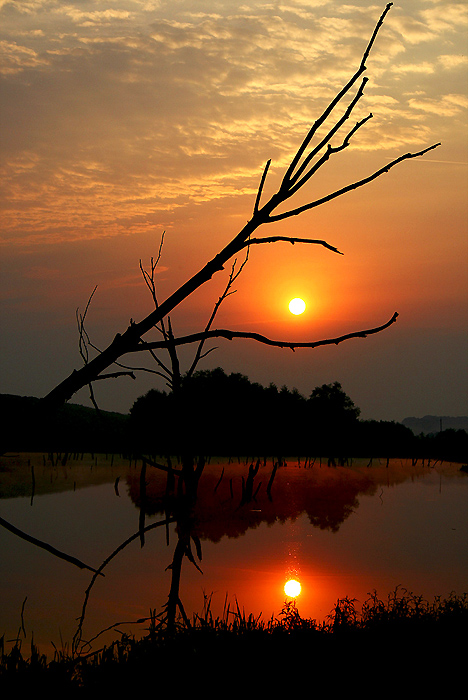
113, 113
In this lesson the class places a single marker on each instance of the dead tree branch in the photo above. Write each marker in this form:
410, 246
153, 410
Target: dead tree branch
302, 167
292, 345
289, 239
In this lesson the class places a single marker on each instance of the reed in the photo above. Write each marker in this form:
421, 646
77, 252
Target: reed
240, 650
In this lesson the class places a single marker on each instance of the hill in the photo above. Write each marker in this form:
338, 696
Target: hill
25, 427
435, 424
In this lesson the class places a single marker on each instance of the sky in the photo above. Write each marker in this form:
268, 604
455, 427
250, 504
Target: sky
124, 119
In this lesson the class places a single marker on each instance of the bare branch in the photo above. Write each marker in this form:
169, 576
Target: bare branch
114, 375
336, 100
98, 572
84, 340
352, 186
288, 239
231, 335
326, 139
374, 35
227, 292
325, 157
260, 188
132, 370
151, 282
162, 467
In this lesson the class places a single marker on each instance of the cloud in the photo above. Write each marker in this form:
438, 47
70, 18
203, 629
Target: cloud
116, 113
15, 58
94, 17
450, 61
424, 67
447, 105
412, 30
446, 17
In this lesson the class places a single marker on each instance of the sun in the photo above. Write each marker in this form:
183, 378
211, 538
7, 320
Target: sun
297, 306
292, 588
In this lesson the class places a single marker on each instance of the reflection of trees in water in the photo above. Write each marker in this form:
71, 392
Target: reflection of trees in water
326, 495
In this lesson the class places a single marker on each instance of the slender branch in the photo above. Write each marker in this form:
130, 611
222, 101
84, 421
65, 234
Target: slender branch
162, 467
329, 135
260, 188
352, 186
93, 398
131, 370
231, 335
84, 340
331, 150
318, 123
227, 292
288, 239
374, 35
175, 375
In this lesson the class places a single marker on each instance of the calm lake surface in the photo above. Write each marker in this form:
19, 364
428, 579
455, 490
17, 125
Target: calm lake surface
340, 531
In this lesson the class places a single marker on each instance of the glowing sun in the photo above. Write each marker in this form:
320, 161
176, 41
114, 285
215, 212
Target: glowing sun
297, 306
292, 588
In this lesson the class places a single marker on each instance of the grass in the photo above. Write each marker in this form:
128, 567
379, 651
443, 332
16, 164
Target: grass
402, 640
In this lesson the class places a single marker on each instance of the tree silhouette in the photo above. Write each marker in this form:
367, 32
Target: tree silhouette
314, 153
334, 418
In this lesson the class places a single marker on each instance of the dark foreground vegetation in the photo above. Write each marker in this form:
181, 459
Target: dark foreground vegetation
405, 639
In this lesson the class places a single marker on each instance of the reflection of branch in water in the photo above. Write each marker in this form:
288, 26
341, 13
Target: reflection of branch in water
247, 484
142, 503
45, 545
270, 483
33, 483
77, 636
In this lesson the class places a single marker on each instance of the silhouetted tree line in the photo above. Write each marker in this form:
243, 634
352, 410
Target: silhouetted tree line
220, 414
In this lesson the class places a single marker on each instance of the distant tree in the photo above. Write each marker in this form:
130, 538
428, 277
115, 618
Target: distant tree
333, 418
331, 403
448, 445
383, 439
222, 414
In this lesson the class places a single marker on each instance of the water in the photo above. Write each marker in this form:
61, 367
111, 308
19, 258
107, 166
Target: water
339, 531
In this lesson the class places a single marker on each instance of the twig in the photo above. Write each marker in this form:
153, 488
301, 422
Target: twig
352, 186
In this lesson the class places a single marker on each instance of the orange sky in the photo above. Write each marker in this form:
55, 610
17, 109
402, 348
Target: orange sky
122, 119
